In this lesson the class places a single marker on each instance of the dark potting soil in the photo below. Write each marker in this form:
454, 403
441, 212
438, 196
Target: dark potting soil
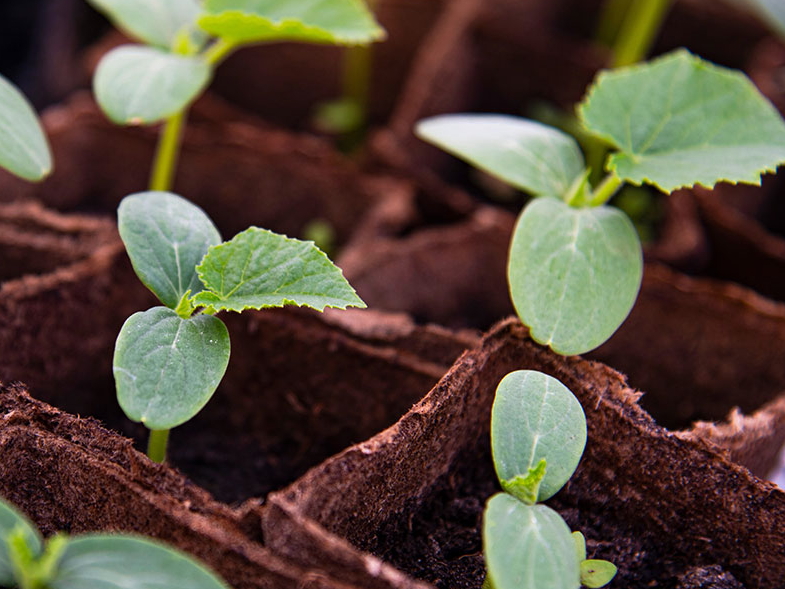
442, 543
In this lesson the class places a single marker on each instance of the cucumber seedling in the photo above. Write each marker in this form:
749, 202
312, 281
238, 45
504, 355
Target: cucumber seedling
24, 150
185, 40
575, 264
169, 360
92, 561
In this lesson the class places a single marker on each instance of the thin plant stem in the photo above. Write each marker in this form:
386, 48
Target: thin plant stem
638, 31
357, 77
167, 152
610, 21
606, 189
218, 51
156, 445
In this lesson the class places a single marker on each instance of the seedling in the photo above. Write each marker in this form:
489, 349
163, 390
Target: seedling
538, 433
185, 42
91, 561
575, 264
24, 150
169, 360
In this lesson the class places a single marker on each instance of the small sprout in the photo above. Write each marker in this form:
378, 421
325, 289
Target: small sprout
92, 561
597, 573
527, 488
575, 264
169, 360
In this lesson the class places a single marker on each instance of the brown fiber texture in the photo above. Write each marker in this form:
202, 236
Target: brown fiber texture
659, 506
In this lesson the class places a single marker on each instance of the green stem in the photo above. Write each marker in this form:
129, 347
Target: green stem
165, 161
218, 51
607, 188
156, 445
357, 78
610, 21
641, 25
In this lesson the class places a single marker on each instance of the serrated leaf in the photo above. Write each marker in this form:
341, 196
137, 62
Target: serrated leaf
137, 85
12, 519
259, 268
156, 22
597, 573
345, 22
24, 150
679, 121
574, 273
527, 546
166, 237
166, 368
104, 561
533, 157
534, 418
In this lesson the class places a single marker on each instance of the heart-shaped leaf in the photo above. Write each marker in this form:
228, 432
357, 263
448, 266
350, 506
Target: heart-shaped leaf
10, 520
137, 85
166, 237
574, 273
24, 149
156, 22
527, 546
679, 121
259, 268
533, 157
104, 561
166, 368
536, 417
316, 21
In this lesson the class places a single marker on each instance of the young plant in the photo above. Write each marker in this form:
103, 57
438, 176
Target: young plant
575, 264
91, 561
538, 433
169, 360
24, 150
185, 40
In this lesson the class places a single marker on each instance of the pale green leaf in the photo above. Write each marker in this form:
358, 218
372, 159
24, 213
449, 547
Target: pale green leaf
533, 157
105, 561
534, 418
24, 150
11, 520
574, 273
344, 22
259, 268
166, 368
580, 546
156, 22
527, 546
166, 238
137, 85
597, 573
680, 121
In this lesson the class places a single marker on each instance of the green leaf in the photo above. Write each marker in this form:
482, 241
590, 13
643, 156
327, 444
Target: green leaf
680, 121
528, 546
344, 22
12, 521
156, 22
24, 150
137, 85
580, 546
259, 268
526, 487
534, 418
597, 573
574, 274
166, 237
533, 157
166, 368
104, 561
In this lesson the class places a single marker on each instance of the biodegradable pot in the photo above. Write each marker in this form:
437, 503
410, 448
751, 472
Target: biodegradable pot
646, 498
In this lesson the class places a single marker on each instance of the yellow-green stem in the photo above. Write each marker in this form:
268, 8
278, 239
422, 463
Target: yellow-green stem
156, 444
606, 189
218, 51
610, 21
641, 24
167, 151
